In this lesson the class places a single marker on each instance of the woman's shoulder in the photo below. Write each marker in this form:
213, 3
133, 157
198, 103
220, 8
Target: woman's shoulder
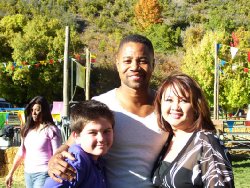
209, 138
52, 130
206, 135
51, 127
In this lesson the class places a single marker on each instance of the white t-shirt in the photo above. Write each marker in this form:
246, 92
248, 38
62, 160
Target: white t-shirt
137, 144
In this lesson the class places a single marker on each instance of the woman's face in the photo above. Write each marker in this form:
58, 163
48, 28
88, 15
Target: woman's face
176, 109
36, 112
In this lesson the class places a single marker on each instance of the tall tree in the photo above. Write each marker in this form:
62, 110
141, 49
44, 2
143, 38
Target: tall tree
32, 65
198, 62
148, 12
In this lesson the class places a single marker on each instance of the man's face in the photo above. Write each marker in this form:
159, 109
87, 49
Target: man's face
135, 65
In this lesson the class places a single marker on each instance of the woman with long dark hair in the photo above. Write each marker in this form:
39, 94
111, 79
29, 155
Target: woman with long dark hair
40, 139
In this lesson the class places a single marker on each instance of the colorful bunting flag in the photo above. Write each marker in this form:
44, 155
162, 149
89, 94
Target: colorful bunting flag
37, 65
235, 40
222, 62
51, 61
43, 63
233, 51
80, 75
218, 47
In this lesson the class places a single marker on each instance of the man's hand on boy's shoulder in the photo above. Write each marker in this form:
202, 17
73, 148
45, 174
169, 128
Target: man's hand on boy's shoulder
58, 167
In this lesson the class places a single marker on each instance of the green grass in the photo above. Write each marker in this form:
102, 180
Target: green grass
16, 184
241, 168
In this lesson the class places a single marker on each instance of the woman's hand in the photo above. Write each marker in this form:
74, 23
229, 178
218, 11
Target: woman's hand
8, 180
59, 169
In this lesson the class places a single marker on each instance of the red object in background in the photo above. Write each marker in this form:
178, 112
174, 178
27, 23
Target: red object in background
235, 40
37, 65
51, 61
246, 70
248, 56
77, 57
247, 123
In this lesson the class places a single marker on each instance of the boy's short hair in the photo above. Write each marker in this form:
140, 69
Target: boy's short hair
86, 111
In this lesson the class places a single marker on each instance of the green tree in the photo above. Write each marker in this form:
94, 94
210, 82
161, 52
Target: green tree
37, 40
163, 37
9, 26
36, 46
199, 63
237, 14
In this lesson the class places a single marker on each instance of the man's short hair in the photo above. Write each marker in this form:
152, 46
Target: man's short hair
137, 39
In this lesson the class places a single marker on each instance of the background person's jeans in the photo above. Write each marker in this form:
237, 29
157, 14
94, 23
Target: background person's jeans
35, 180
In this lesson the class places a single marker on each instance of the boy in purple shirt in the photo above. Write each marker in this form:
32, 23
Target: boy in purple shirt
92, 125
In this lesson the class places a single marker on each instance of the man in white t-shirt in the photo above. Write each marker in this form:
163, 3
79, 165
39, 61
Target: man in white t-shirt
138, 140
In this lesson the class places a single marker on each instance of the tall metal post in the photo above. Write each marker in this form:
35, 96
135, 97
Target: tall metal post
72, 79
66, 74
216, 83
88, 67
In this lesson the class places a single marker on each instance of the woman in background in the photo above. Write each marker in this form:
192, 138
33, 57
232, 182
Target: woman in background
39, 140
193, 155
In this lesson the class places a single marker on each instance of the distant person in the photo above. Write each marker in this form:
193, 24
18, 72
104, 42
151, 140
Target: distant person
39, 140
193, 155
137, 138
92, 126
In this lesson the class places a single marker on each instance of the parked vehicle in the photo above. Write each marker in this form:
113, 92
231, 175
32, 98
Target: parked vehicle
5, 104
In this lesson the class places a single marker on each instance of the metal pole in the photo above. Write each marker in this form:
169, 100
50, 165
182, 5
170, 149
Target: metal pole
72, 80
66, 74
216, 84
87, 74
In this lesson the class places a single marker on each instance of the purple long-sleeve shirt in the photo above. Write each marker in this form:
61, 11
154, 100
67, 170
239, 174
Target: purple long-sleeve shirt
90, 173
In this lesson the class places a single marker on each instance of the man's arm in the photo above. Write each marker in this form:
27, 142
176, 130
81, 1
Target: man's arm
58, 167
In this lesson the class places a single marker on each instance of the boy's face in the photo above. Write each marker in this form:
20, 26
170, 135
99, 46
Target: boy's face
97, 137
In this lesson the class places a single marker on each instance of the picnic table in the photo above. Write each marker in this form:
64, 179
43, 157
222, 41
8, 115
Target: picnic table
236, 134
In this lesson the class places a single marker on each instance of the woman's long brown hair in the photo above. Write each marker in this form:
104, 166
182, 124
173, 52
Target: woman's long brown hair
186, 84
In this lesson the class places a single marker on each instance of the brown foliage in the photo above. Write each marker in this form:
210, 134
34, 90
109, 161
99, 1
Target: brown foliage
148, 12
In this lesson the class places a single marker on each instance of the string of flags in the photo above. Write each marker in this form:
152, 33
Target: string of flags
37, 64
14, 65
233, 51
